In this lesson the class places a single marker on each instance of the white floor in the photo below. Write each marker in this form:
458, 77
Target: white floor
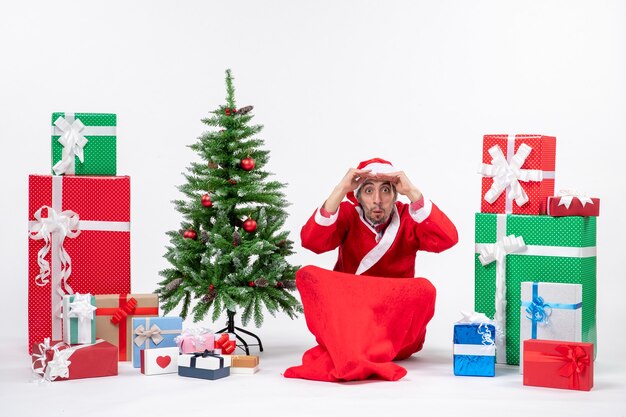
429, 388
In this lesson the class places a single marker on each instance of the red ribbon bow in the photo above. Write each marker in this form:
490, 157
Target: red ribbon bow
123, 312
576, 361
226, 344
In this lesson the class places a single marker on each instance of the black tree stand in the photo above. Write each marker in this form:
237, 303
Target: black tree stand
230, 328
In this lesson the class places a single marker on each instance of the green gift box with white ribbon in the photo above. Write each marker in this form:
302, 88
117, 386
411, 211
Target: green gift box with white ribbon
84, 144
513, 248
79, 319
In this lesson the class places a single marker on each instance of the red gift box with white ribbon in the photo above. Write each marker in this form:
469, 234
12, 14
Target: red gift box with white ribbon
518, 173
79, 229
58, 361
558, 364
572, 203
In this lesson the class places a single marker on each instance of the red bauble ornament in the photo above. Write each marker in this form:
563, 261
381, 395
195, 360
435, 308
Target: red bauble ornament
249, 225
211, 287
251, 284
206, 201
247, 164
190, 234
227, 111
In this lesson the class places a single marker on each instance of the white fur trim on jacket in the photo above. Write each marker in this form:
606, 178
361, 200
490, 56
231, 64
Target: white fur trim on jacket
423, 213
382, 246
325, 221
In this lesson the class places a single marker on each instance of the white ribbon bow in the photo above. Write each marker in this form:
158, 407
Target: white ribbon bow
568, 195
154, 333
63, 225
81, 308
473, 317
497, 252
58, 367
508, 175
197, 336
483, 320
73, 143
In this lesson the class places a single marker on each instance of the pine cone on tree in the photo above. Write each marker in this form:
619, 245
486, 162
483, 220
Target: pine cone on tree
173, 284
289, 284
236, 238
181, 232
209, 296
204, 236
213, 165
261, 282
245, 110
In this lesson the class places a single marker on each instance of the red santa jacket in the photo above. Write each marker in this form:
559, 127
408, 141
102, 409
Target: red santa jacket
362, 252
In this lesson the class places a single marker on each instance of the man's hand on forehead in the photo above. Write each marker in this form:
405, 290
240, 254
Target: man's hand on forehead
392, 177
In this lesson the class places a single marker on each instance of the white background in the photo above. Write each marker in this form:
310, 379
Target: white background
334, 83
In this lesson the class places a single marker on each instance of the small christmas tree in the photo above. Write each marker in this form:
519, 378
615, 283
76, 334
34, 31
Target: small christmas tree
230, 253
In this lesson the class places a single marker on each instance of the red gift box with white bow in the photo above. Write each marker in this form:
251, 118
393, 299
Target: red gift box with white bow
558, 364
572, 203
79, 229
58, 361
518, 173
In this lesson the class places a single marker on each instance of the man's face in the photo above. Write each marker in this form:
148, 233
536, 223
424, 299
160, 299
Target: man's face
377, 199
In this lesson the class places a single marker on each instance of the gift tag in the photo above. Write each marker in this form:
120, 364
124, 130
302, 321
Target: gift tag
159, 361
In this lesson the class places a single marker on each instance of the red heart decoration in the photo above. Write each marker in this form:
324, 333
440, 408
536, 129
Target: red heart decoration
163, 361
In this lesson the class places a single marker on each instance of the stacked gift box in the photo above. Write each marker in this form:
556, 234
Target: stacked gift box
474, 346
82, 316
535, 258
80, 309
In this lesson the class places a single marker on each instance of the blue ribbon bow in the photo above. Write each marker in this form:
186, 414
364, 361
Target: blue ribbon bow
538, 311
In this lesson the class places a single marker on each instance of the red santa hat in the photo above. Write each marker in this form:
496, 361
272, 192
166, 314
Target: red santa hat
376, 166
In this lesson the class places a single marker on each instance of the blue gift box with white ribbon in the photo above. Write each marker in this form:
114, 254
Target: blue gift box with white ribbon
474, 349
550, 311
154, 332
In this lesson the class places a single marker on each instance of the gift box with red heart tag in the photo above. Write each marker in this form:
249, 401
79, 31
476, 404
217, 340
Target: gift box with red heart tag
159, 361
558, 364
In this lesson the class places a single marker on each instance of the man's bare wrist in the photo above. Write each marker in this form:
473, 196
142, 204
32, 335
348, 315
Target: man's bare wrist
414, 195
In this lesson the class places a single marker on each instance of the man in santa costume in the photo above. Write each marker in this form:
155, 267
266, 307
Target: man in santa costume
376, 234
362, 320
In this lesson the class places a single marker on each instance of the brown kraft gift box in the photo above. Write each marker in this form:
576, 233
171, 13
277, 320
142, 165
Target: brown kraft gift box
114, 315
244, 361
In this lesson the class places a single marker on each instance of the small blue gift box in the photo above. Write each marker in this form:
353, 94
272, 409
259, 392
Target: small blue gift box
205, 365
154, 332
474, 349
